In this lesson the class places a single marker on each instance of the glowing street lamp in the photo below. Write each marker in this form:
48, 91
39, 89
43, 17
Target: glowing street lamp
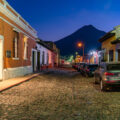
80, 44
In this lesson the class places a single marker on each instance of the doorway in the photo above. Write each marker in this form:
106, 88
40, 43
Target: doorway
38, 61
110, 55
34, 61
1, 57
118, 54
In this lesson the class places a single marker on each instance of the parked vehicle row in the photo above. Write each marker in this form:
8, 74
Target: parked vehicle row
75, 65
85, 68
90, 69
106, 74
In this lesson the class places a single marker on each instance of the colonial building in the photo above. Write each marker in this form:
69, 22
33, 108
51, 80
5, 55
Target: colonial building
44, 55
111, 46
17, 44
55, 53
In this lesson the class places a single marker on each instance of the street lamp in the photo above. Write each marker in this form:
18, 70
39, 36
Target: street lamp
80, 44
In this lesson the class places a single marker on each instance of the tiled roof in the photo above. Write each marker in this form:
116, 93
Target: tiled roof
106, 36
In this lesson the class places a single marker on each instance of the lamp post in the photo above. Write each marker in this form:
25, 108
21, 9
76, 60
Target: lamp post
80, 44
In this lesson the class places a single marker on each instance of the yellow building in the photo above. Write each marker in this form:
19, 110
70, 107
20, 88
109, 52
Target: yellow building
78, 59
91, 61
111, 45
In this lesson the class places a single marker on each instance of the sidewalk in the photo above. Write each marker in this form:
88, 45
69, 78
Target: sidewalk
62, 69
15, 81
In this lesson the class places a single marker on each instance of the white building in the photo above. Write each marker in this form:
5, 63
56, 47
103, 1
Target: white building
44, 55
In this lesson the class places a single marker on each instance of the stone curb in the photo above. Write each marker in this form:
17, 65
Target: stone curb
27, 78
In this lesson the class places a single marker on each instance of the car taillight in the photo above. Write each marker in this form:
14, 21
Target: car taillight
87, 70
108, 74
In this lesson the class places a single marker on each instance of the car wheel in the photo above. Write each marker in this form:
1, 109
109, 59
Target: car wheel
96, 81
102, 86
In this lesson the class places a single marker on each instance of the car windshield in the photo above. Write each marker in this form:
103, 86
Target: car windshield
113, 67
82, 63
92, 66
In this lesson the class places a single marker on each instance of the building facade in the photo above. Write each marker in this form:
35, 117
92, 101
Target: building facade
111, 46
17, 44
44, 56
94, 57
55, 53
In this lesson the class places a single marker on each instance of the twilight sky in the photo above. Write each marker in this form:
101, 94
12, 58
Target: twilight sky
55, 19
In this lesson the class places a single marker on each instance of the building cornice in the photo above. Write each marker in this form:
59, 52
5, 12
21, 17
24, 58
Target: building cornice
106, 36
16, 29
15, 17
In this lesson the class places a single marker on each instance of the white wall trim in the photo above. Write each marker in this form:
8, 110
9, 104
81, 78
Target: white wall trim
16, 72
10, 15
15, 58
1, 37
17, 68
15, 28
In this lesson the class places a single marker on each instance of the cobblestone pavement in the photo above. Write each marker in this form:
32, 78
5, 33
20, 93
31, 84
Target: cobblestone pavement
59, 95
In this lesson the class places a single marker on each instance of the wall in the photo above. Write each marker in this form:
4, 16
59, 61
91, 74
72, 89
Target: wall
8, 45
11, 21
46, 51
108, 46
16, 72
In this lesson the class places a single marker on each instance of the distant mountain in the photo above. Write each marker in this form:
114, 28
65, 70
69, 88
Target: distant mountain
88, 34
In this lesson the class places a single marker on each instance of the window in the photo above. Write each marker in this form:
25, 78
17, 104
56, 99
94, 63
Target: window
119, 55
25, 47
104, 57
15, 44
110, 55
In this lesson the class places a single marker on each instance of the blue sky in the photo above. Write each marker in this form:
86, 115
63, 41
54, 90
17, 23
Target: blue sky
55, 19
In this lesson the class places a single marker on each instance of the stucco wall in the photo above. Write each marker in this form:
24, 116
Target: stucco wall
108, 46
11, 21
46, 51
16, 72
8, 46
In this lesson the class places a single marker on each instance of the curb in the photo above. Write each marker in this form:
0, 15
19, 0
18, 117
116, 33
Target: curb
20, 82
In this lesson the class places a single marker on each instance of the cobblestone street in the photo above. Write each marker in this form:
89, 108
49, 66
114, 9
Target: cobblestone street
59, 96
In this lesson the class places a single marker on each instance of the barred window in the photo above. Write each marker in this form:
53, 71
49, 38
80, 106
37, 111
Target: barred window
15, 44
110, 55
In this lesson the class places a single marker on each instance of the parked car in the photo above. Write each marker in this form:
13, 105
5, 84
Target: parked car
108, 74
81, 68
75, 65
90, 69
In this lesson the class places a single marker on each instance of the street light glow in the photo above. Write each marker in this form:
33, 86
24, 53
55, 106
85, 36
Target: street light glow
93, 52
79, 44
